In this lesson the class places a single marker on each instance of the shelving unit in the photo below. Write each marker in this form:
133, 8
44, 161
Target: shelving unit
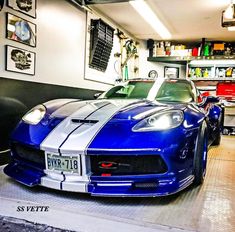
211, 63
170, 59
186, 59
211, 79
214, 69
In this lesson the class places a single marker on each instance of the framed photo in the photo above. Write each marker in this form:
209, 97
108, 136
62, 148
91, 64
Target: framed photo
1, 4
20, 30
20, 60
171, 72
27, 7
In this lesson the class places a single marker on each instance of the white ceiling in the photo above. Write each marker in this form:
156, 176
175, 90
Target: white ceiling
185, 19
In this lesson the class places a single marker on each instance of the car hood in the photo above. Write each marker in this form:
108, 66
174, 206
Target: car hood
121, 109
84, 120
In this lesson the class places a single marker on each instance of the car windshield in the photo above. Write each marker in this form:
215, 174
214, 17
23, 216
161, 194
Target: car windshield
132, 90
166, 91
175, 91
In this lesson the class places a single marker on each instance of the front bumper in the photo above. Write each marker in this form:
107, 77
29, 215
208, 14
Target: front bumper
145, 185
128, 185
31, 176
140, 186
178, 157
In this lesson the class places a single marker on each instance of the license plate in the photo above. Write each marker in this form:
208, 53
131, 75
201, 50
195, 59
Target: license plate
63, 163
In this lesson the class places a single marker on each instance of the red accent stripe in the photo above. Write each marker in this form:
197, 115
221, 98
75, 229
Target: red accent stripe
106, 165
105, 174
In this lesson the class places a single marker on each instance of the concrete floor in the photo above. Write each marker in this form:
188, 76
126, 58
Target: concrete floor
9, 224
210, 207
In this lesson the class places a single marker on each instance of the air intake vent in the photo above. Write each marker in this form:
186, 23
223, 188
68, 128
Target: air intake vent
84, 121
29, 154
127, 164
146, 185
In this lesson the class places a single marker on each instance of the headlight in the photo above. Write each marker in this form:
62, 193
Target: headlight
160, 121
35, 115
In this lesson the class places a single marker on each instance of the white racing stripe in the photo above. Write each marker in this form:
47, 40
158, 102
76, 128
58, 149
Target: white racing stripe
53, 141
71, 138
80, 139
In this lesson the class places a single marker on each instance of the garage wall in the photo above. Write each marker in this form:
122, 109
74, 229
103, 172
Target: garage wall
113, 71
60, 63
110, 75
146, 66
60, 52
60, 46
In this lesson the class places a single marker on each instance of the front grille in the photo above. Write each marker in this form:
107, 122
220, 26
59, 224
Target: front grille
127, 165
29, 154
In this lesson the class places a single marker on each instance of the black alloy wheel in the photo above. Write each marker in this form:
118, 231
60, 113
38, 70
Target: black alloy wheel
200, 156
217, 140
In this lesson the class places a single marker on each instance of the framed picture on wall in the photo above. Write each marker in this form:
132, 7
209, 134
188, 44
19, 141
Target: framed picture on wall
20, 60
20, 30
1, 4
27, 7
171, 72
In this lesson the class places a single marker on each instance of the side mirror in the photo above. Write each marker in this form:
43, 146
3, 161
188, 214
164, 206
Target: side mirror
96, 95
210, 99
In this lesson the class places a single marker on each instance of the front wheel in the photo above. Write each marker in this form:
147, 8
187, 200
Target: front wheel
217, 140
200, 155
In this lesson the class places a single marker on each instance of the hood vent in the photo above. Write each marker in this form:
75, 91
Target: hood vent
82, 121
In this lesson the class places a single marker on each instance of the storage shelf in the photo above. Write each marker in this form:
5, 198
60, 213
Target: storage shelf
201, 65
170, 59
185, 59
211, 79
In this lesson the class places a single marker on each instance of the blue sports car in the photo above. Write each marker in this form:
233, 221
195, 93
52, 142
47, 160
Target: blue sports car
140, 138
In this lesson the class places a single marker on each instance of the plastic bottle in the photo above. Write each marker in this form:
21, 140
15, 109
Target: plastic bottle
217, 72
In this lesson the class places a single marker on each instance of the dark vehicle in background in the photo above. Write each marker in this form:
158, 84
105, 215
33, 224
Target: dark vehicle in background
12, 111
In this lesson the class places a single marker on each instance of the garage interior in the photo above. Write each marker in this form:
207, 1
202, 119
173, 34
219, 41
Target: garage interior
63, 68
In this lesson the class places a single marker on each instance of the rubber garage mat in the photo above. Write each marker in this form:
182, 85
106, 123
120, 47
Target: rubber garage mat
210, 207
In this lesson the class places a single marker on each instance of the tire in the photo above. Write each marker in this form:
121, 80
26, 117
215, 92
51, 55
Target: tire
11, 112
200, 156
217, 140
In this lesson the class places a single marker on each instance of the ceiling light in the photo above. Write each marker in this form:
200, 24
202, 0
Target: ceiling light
228, 16
229, 12
151, 18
